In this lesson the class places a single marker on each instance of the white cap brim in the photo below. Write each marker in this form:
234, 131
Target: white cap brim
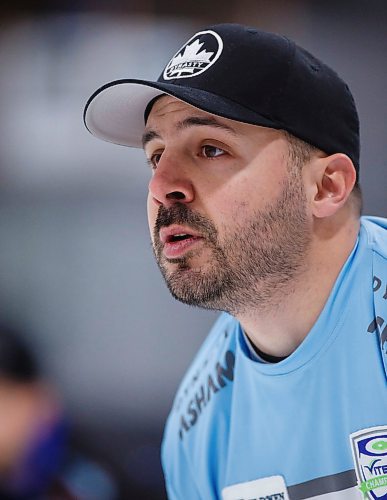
115, 113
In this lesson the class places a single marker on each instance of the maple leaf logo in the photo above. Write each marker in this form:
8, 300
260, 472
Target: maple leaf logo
192, 53
193, 58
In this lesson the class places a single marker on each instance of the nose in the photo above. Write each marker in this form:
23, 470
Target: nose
170, 182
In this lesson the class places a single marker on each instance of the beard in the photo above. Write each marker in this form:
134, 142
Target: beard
251, 264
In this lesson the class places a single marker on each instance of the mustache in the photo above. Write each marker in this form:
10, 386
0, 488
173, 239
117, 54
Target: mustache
179, 213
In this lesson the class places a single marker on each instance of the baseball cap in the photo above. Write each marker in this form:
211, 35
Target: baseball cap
244, 74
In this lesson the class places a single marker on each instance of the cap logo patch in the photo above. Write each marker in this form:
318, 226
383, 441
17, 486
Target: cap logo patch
196, 56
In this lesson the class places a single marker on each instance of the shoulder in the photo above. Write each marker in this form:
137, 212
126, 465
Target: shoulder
214, 358
374, 230
203, 393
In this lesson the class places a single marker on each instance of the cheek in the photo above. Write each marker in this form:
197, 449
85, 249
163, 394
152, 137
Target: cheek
234, 200
152, 214
241, 199
254, 190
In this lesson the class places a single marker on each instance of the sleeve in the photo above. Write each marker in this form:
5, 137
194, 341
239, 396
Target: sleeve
180, 482
181, 487
182, 479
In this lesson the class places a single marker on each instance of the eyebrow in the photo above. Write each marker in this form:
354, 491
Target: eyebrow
148, 136
192, 121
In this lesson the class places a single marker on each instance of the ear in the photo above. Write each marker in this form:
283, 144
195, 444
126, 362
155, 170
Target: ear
334, 180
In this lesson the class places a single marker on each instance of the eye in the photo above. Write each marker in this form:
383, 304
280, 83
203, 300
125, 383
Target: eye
209, 151
154, 159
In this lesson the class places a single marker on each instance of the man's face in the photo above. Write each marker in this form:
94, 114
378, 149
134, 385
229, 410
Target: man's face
227, 214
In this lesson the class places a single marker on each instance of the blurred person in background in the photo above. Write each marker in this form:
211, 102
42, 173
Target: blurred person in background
37, 461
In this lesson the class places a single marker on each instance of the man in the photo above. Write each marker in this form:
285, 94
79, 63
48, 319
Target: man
254, 210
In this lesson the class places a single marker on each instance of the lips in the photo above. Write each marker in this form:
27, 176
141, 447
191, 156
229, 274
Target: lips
177, 240
174, 233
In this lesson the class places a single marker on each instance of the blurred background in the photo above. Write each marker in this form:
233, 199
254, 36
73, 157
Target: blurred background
77, 276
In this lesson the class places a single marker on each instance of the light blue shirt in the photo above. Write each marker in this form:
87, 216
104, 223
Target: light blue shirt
235, 419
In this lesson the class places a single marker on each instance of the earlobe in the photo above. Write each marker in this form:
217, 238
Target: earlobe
334, 184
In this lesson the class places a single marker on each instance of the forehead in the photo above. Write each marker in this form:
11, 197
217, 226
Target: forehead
167, 106
169, 112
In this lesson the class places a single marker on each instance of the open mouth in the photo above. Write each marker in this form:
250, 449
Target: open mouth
178, 237
177, 243
177, 240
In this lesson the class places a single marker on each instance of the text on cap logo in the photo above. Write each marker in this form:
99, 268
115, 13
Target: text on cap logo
196, 56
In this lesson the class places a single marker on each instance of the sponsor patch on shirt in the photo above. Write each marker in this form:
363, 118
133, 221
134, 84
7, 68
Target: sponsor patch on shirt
267, 488
369, 449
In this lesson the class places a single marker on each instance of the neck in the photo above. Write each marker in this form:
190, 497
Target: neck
283, 324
